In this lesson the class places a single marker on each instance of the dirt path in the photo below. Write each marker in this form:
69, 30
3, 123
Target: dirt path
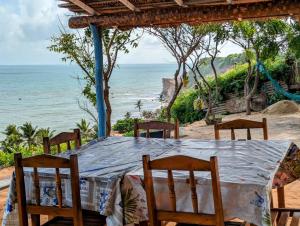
279, 127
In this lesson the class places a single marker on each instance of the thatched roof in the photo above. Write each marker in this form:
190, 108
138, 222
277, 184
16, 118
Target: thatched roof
145, 13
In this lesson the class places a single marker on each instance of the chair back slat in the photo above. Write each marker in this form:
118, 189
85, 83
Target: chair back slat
189, 164
248, 134
68, 145
58, 187
166, 127
47, 161
165, 134
58, 148
62, 138
193, 192
242, 124
232, 134
36, 182
172, 194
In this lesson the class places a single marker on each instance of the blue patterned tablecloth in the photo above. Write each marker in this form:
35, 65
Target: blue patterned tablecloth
111, 178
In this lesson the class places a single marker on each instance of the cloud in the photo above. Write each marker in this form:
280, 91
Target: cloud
26, 27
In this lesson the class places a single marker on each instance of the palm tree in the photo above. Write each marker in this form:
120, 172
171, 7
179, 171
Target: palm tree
11, 129
86, 131
29, 133
127, 115
139, 105
44, 132
12, 139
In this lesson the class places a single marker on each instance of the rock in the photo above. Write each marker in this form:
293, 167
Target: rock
282, 107
235, 105
168, 88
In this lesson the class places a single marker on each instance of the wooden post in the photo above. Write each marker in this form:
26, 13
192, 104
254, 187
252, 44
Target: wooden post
97, 37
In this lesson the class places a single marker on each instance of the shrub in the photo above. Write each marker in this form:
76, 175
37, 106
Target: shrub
7, 159
124, 125
183, 108
129, 134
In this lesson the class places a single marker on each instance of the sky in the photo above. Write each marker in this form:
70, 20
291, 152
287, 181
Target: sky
26, 27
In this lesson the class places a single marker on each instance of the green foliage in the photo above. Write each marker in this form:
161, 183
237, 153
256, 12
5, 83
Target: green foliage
262, 37
278, 69
124, 125
7, 158
44, 132
272, 99
29, 133
294, 39
129, 134
232, 81
87, 132
28, 140
183, 108
222, 64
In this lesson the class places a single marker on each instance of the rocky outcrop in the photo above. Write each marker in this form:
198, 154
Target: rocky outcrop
168, 88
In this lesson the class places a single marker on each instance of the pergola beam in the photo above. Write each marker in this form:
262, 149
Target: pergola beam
180, 3
104, 6
84, 7
191, 15
129, 5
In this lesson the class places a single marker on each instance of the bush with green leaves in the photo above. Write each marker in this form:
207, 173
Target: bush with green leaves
124, 125
7, 158
183, 108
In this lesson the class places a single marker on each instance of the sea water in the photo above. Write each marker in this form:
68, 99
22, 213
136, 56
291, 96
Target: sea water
48, 95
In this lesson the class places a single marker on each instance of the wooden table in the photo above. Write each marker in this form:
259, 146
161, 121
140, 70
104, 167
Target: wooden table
246, 169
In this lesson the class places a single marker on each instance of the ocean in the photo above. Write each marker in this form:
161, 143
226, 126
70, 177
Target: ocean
48, 95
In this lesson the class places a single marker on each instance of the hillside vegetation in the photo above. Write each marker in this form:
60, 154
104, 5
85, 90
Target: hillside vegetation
230, 81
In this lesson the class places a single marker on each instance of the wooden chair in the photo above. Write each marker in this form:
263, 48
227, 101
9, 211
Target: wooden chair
241, 124
182, 163
62, 215
166, 127
64, 137
280, 217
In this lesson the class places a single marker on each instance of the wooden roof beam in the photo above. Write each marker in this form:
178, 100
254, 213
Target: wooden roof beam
191, 15
129, 5
85, 7
180, 3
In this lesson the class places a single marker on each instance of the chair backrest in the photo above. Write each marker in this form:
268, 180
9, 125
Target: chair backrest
241, 124
183, 163
61, 138
47, 161
166, 127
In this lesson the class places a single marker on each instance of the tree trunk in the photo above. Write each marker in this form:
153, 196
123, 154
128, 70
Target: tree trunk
253, 90
248, 105
247, 88
170, 104
212, 63
209, 105
108, 108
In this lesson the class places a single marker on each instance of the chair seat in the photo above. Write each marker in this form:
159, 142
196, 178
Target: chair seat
90, 218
